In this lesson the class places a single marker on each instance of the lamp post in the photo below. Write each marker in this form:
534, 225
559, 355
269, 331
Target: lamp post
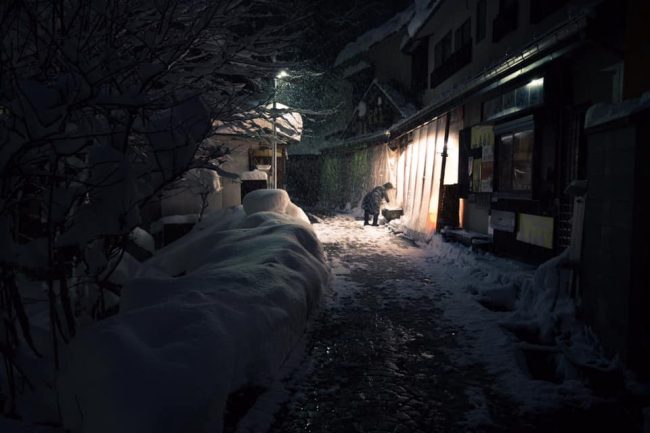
274, 164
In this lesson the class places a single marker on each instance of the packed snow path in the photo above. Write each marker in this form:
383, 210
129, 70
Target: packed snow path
389, 352
380, 350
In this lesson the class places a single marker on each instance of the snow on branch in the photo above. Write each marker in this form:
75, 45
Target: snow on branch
103, 104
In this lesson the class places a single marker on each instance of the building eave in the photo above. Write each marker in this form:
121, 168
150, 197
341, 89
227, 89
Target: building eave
543, 50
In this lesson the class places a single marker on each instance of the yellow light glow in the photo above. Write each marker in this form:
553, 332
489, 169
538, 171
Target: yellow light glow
461, 212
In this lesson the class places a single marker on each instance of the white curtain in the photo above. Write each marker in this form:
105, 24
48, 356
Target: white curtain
417, 174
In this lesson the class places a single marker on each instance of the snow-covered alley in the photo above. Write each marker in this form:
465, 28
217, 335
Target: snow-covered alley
402, 345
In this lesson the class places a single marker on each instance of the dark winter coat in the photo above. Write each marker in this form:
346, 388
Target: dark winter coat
372, 201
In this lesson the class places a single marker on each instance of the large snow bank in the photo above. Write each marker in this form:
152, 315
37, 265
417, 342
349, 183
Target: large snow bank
275, 200
519, 311
537, 307
546, 313
216, 310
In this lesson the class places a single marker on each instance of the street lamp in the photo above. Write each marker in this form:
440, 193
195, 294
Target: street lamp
274, 165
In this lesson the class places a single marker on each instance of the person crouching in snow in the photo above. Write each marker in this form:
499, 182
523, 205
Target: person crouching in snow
372, 202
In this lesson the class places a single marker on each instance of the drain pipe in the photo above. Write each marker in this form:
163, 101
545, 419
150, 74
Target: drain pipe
442, 171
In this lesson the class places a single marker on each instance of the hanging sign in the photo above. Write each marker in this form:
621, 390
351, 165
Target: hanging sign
483, 139
482, 135
487, 168
536, 230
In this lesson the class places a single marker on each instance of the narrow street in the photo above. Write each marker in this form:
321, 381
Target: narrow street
390, 352
380, 352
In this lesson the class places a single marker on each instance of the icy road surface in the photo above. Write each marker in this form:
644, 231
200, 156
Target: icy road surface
402, 345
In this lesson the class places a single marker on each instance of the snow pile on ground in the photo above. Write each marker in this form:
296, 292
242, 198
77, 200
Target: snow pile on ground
218, 309
536, 310
274, 200
523, 323
545, 316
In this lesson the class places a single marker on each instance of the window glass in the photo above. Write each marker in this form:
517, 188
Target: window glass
481, 17
515, 161
522, 161
505, 163
506, 19
420, 66
463, 35
467, 31
442, 50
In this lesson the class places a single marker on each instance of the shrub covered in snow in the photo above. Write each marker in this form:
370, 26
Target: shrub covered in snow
219, 308
103, 104
275, 200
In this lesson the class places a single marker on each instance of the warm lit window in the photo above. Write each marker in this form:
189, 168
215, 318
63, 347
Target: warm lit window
515, 161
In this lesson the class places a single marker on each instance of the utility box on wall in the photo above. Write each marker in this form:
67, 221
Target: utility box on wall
615, 291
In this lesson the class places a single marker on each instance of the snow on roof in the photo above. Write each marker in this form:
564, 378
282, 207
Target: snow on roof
602, 113
423, 10
351, 70
254, 175
413, 18
404, 106
507, 68
288, 124
373, 36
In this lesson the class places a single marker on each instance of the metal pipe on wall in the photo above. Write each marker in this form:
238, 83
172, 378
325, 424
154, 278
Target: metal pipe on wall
442, 170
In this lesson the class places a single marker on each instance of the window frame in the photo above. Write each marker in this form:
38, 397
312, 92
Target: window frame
506, 21
443, 49
512, 128
420, 66
463, 35
481, 20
